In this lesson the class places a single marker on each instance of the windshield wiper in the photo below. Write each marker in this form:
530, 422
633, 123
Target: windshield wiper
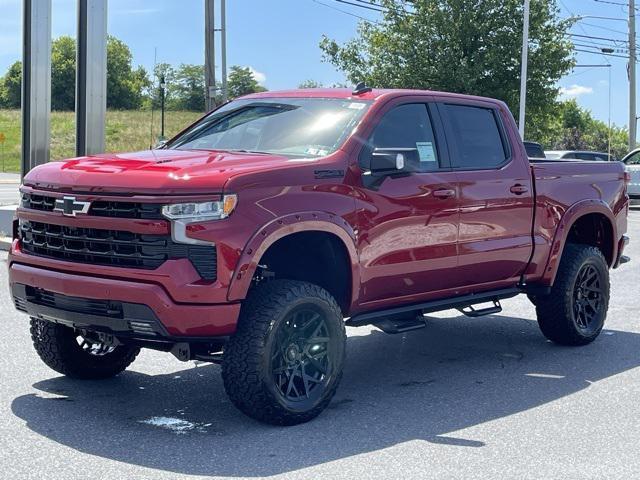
242, 150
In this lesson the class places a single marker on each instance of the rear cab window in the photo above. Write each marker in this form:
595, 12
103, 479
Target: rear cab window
477, 137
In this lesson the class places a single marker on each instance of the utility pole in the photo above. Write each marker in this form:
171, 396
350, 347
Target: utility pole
523, 68
91, 77
36, 83
223, 44
210, 54
632, 75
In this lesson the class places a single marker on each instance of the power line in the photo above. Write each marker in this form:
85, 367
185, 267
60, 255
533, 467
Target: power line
369, 6
368, 20
602, 53
604, 28
579, 24
394, 8
614, 40
611, 2
613, 50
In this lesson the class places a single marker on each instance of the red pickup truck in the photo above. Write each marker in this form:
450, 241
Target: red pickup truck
256, 234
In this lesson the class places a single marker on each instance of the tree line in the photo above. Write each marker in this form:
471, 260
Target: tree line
128, 87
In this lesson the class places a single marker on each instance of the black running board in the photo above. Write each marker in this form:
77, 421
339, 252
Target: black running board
459, 303
393, 326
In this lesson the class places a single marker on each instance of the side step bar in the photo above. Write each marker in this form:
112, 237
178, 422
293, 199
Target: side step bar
463, 303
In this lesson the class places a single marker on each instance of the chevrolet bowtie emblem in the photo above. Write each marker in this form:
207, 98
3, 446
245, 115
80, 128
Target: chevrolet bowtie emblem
70, 207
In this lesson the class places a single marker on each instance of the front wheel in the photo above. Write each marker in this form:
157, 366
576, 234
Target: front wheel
284, 363
66, 351
573, 313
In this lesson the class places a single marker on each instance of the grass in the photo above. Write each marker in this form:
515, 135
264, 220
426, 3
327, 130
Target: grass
126, 131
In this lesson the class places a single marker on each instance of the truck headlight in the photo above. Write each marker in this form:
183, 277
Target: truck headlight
201, 211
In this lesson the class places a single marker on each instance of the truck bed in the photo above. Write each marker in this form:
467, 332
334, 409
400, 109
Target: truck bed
562, 184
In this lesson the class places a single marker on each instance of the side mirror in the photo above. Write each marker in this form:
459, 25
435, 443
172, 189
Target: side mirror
388, 160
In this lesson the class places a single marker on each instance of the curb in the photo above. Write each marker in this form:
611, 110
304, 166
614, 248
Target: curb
5, 243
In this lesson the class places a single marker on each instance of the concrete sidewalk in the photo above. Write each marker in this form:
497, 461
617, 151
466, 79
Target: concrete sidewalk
9, 198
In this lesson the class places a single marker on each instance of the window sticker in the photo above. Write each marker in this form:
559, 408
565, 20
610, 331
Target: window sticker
426, 152
356, 106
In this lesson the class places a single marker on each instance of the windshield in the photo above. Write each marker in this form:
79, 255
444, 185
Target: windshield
300, 127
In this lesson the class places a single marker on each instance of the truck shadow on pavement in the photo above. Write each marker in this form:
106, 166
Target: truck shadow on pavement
455, 374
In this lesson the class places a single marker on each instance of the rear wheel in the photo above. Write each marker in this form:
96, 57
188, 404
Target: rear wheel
575, 310
68, 352
284, 363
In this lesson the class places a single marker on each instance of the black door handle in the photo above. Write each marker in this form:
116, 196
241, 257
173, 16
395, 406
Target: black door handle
519, 189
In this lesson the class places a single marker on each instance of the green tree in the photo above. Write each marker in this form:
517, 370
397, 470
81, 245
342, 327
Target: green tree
310, 84
63, 73
241, 81
11, 87
166, 71
575, 128
466, 46
124, 83
188, 88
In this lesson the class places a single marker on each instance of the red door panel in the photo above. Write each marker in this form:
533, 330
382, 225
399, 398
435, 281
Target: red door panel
408, 236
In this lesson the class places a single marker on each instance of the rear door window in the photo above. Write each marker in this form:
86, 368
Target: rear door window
477, 137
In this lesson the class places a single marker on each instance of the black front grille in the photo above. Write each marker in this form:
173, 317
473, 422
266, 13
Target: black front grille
113, 247
38, 202
126, 210
102, 308
99, 208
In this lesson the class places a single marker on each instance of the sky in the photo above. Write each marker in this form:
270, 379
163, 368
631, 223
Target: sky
278, 40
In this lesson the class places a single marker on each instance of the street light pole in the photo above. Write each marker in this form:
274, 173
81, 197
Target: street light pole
210, 54
162, 96
523, 69
632, 75
223, 46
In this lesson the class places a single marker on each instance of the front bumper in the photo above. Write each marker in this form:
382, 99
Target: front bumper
139, 303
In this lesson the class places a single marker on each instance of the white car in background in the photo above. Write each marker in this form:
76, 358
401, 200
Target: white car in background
579, 155
632, 165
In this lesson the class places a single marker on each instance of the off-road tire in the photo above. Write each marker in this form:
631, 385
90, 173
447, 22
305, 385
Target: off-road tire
555, 311
247, 361
59, 350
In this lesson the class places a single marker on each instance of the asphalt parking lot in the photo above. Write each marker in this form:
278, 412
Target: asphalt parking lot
463, 398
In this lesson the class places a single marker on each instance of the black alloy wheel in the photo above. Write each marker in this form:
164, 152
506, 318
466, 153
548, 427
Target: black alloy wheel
301, 356
574, 311
284, 363
587, 298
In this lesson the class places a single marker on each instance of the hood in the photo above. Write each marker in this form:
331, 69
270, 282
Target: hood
151, 171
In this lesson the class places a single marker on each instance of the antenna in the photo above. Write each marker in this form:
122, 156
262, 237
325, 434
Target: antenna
361, 88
